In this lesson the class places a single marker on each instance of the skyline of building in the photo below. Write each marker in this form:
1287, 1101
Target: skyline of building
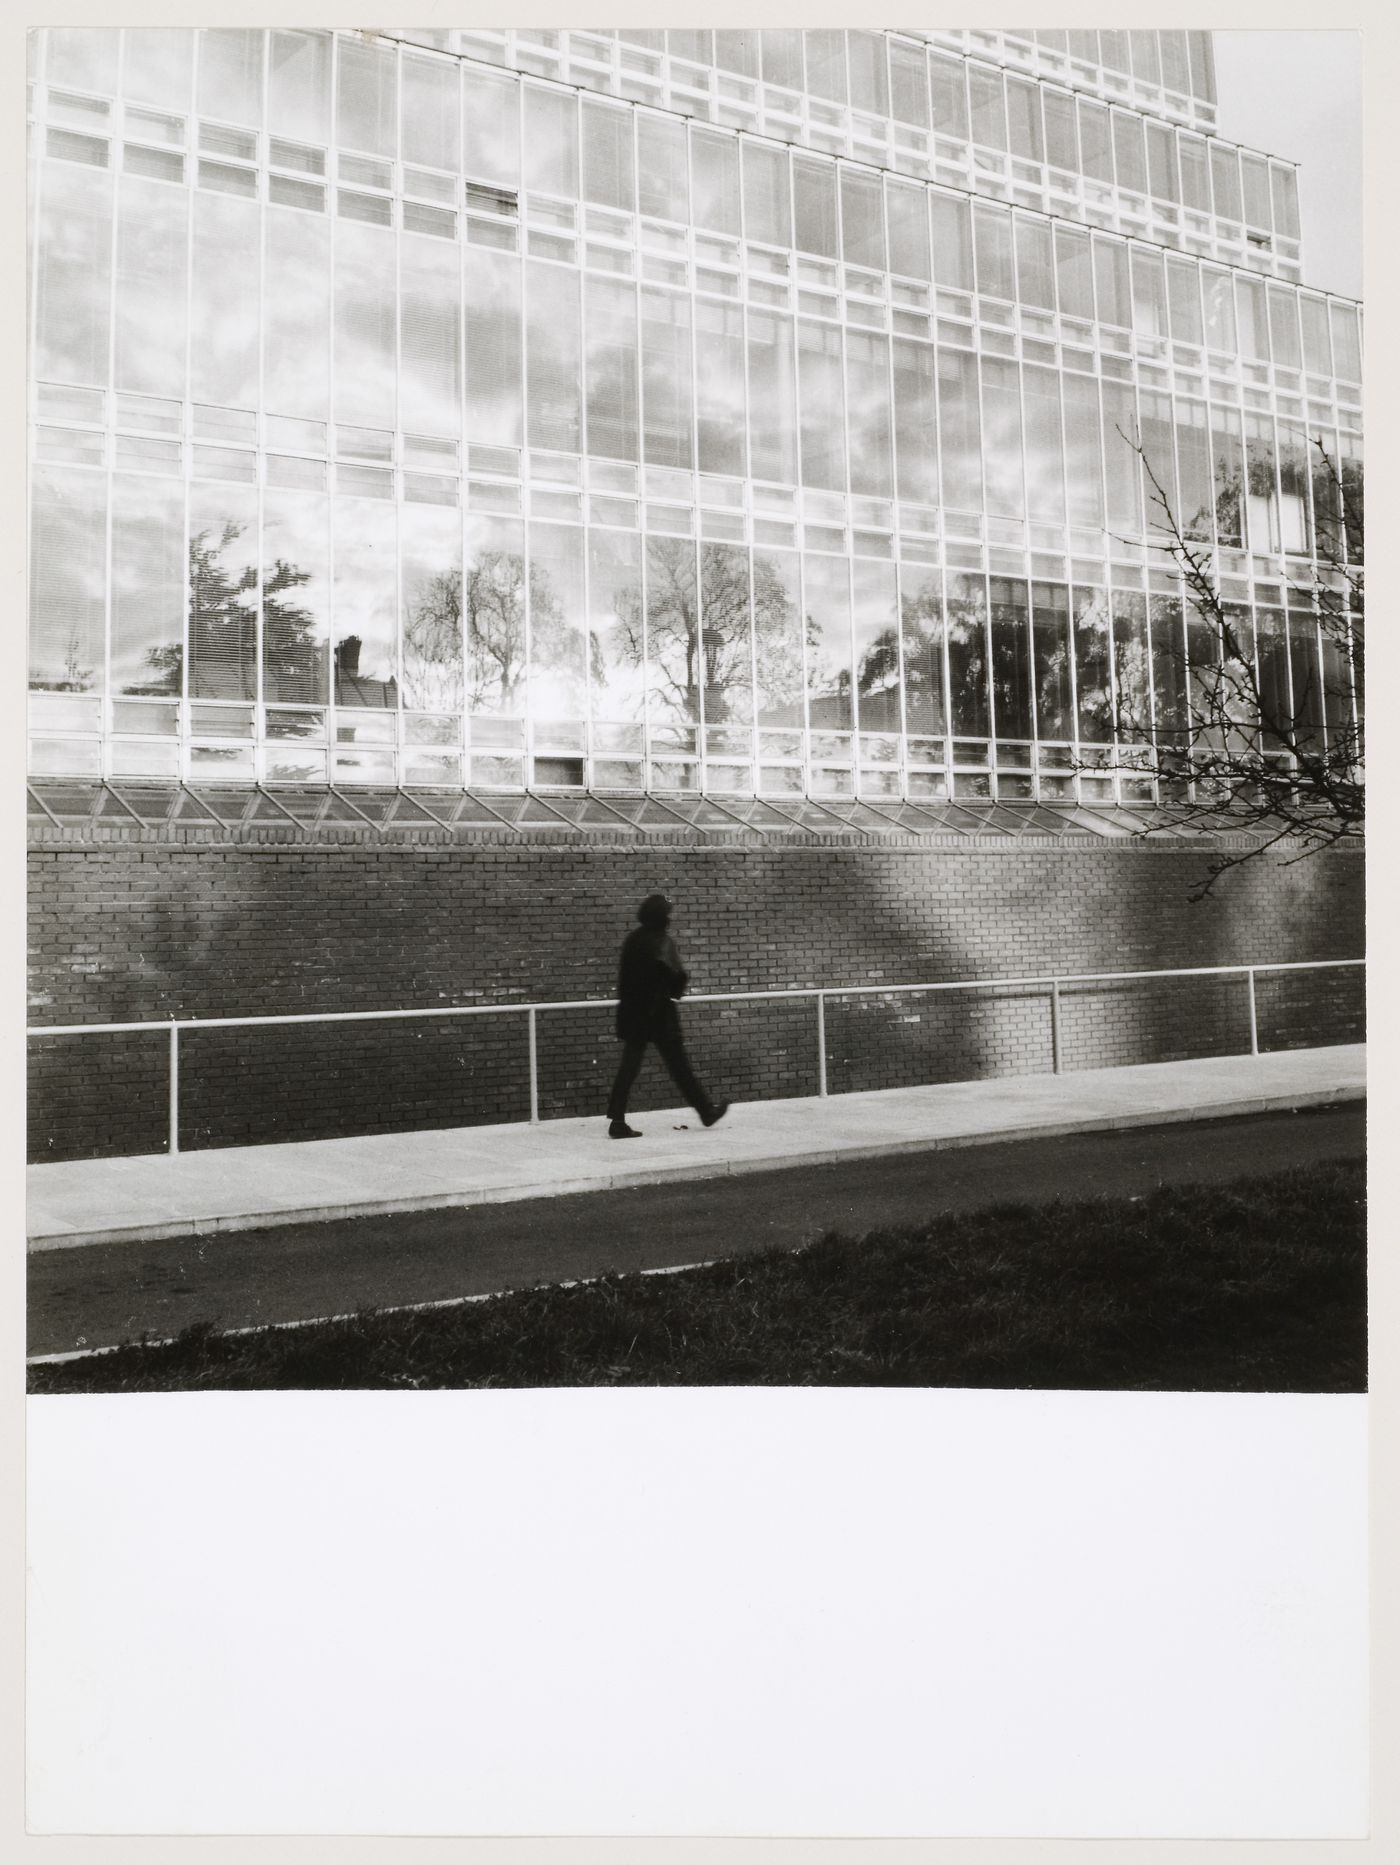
673, 411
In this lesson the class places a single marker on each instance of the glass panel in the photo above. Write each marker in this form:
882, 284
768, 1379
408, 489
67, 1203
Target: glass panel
667, 412
1053, 698
1121, 434
1061, 137
1083, 451
1195, 177
820, 402
431, 106
1283, 328
1193, 454
430, 338
1111, 284
617, 686
994, 273
67, 580
767, 194
967, 656
1011, 657
1255, 171
1184, 301
1271, 648
1149, 295
1261, 484
814, 206
1283, 185
952, 242
949, 92
366, 107
988, 107
495, 617
908, 218
148, 586
868, 401
662, 172
365, 604
1254, 330
430, 545
875, 615
719, 386
552, 355
224, 302
223, 627
1323, 459
1035, 273
1130, 665
827, 608
299, 86
1074, 273
673, 635
1096, 153
1161, 162
1346, 342
726, 635
782, 58
1093, 679
230, 75
921, 631
772, 400
1001, 418
959, 431
364, 324
1159, 456
494, 360
491, 128
1169, 672
1317, 346
1023, 115
551, 142
714, 181
74, 275
1227, 448
609, 177
558, 626
610, 356
737, 51
826, 65
158, 67
1129, 152
865, 52
296, 616
862, 220
1045, 467
1293, 488
1219, 297
915, 421
908, 84
777, 623
1225, 181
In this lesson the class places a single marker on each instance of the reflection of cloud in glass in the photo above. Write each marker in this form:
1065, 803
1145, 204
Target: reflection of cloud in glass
67, 580
152, 235
74, 275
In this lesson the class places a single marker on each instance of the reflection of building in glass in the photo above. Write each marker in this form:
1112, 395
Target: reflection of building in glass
659, 409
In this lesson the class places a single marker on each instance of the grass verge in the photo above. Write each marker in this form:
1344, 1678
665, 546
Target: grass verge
1258, 1285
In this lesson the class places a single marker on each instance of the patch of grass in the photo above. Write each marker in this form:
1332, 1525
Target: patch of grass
1257, 1285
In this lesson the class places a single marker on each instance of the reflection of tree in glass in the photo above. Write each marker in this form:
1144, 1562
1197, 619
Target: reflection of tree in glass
223, 623
76, 677
922, 611
496, 632
294, 645
967, 662
1229, 490
432, 643
775, 646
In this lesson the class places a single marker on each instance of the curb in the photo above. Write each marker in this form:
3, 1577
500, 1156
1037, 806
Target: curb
517, 1192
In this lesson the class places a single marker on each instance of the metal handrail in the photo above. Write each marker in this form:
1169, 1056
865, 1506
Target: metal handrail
821, 992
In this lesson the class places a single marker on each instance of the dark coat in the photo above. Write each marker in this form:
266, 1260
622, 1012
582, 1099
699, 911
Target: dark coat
650, 977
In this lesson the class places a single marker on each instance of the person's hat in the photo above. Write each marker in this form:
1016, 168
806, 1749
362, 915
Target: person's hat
655, 910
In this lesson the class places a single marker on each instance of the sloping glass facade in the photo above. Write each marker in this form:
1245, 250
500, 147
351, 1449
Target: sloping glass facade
675, 411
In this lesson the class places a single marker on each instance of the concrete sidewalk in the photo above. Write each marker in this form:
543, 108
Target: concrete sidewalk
247, 1188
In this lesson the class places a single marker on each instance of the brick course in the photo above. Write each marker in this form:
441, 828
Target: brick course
128, 931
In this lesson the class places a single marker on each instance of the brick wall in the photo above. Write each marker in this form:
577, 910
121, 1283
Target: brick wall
134, 931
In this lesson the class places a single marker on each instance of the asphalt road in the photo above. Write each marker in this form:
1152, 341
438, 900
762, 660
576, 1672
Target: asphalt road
100, 1294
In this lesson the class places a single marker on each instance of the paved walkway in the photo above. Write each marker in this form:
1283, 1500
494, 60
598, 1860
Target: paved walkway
251, 1187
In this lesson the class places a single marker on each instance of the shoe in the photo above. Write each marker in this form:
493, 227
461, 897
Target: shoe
716, 1113
619, 1130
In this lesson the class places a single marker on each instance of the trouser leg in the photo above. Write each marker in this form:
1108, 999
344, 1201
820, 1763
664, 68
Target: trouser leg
627, 1071
671, 1048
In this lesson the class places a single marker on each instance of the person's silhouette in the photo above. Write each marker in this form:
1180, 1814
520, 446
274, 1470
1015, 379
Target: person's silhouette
650, 979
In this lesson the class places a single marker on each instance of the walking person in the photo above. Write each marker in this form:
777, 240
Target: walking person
650, 978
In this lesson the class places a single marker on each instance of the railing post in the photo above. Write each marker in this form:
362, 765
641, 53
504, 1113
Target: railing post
821, 1042
1253, 1016
174, 1088
534, 1073
1055, 1023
